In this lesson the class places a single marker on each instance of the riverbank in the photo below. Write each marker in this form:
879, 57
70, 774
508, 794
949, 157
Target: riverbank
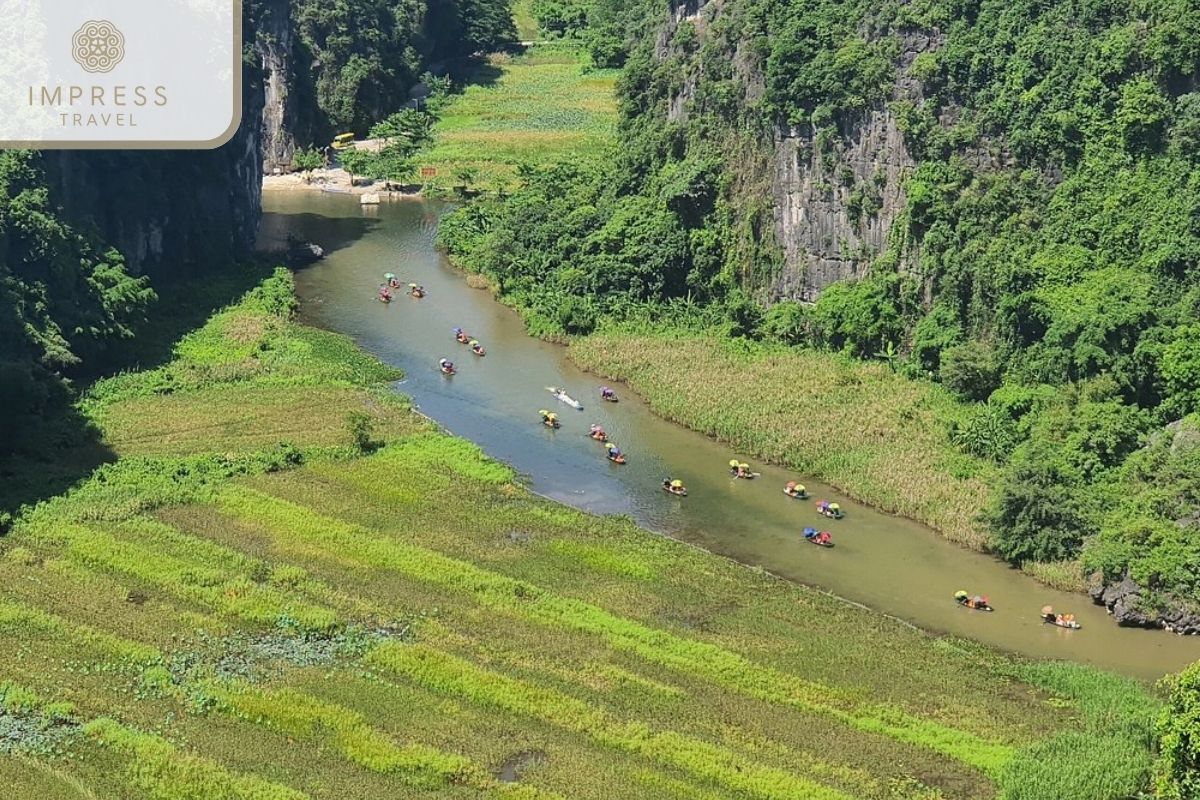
875, 435
289, 585
879, 437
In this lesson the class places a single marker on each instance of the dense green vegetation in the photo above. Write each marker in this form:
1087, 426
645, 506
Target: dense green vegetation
291, 586
356, 61
518, 112
1043, 267
65, 299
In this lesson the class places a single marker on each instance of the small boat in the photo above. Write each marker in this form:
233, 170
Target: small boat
598, 434
976, 603
819, 538
796, 491
831, 510
446, 367
461, 336
477, 349
740, 470
1059, 620
416, 291
617, 459
385, 297
608, 395
562, 396
674, 487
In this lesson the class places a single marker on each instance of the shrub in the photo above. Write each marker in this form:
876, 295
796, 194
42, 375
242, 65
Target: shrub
360, 427
1035, 515
1178, 730
970, 369
307, 159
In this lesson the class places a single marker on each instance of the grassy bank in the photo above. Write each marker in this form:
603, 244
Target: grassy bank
535, 108
290, 586
878, 437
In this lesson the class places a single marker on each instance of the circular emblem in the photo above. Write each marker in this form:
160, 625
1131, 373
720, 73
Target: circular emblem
98, 46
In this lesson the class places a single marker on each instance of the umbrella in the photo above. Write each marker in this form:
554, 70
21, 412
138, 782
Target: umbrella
733, 462
389, 275
1047, 610
677, 484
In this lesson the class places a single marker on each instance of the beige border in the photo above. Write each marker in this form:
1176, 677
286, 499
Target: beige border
150, 144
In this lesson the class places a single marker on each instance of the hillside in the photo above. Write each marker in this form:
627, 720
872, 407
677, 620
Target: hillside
999, 197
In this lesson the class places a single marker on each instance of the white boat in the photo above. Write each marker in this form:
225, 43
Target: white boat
562, 395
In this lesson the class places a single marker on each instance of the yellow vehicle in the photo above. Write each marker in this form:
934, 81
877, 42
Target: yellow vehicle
343, 140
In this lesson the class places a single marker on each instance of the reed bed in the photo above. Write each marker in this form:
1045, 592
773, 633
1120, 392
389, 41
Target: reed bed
878, 437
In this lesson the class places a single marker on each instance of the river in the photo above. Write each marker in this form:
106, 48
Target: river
880, 561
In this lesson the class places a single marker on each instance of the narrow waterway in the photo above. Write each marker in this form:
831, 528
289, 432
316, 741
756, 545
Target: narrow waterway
881, 561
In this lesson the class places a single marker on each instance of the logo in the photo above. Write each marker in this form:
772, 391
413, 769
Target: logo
98, 46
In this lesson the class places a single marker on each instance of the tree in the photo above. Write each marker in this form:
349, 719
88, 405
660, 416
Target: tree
1178, 769
786, 321
408, 129
1035, 515
307, 159
971, 370
355, 162
65, 299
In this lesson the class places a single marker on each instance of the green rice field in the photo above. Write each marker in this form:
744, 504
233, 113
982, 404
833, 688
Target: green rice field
533, 109
289, 585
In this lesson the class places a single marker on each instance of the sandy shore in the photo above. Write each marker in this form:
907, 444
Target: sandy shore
334, 180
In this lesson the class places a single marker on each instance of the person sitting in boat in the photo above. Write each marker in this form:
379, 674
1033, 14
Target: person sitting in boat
674, 486
393, 282
607, 394
976, 601
793, 489
549, 418
477, 348
831, 510
614, 453
597, 433
447, 366
461, 336
823, 537
384, 294
415, 290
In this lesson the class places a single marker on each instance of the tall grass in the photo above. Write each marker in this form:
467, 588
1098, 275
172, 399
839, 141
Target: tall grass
706, 661
31, 622
229, 588
543, 108
450, 675
301, 715
1110, 753
163, 772
879, 437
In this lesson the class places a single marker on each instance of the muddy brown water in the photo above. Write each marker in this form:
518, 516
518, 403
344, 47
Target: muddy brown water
881, 561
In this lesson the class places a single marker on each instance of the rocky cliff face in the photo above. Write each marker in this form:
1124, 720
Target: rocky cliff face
835, 193
274, 48
175, 211
169, 210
